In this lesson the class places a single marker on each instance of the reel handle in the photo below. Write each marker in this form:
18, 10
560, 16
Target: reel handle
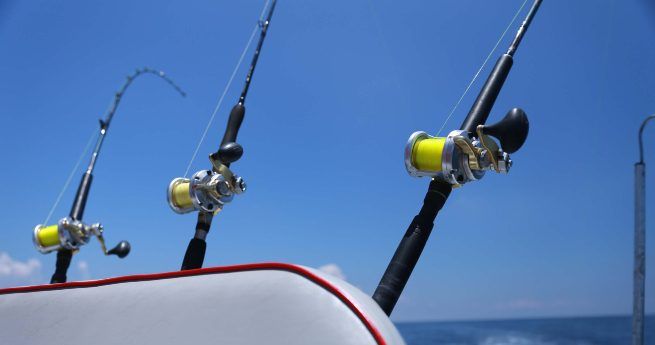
121, 249
511, 131
228, 153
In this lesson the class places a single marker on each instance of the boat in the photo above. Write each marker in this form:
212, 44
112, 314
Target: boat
273, 303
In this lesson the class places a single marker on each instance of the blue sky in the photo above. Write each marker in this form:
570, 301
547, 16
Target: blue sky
339, 88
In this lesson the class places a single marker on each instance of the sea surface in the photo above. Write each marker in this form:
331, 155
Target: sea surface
553, 331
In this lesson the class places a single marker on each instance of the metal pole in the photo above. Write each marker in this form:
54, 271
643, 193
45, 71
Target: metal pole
640, 256
639, 284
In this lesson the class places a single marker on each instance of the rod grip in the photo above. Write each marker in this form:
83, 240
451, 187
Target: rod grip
410, 248
195, 251
64, 257
233, 124
487, 97
195, 254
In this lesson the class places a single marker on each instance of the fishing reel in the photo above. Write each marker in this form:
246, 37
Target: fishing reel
72, 234
208, 190
461, 157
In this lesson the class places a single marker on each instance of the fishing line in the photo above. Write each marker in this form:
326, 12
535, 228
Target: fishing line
261, 15
227, 87
452, 111
70, 177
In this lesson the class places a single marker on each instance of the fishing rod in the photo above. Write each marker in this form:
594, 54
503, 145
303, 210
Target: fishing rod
70, 233
208, 191
462, 156
639, 272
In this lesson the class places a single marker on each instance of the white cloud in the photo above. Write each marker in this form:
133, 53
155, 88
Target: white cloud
334, 270
18, 269
83, 269
83, 266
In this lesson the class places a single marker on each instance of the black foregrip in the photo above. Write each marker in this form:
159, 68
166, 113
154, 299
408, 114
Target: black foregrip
64, 257
482, 107
195, 254
234, 123
77, 211
195, 251
410, 248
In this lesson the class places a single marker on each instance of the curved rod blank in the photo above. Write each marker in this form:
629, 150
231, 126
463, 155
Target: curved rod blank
641, 140
127, 84
104, 124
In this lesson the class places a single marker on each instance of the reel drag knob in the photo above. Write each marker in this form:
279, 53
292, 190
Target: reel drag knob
511, 131
121, 249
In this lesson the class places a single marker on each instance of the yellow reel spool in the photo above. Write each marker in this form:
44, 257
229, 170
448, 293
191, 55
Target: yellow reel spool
424, 154
179, 195
46, 238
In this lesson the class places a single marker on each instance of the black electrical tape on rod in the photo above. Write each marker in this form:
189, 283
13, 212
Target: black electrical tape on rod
410, 248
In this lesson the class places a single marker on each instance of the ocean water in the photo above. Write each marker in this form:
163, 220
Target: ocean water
552, 331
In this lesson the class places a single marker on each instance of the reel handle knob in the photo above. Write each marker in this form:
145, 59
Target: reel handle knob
228, 153
121, 249
511, 131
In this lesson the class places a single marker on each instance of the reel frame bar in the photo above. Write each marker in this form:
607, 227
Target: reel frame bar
416, 236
